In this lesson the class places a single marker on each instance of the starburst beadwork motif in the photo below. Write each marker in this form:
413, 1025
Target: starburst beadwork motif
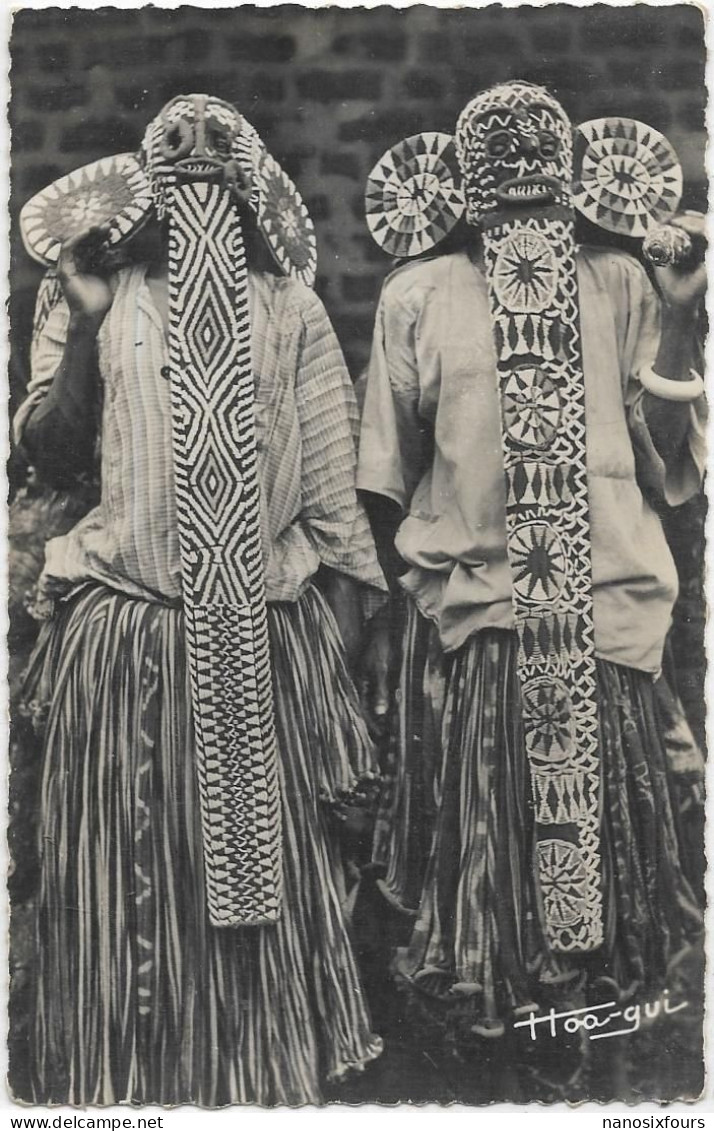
531, 407
526, 274
548, 721
563, 882
539, 563
113, 191
628, 178
285, 221
412, 199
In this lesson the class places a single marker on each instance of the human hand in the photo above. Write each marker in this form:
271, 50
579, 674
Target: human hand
82, 270
238, 183
683, 284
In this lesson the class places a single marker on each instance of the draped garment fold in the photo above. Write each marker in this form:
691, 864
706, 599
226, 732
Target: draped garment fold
137, 998
456, 837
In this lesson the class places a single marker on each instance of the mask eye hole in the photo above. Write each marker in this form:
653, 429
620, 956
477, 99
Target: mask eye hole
548, 144
177, 140
499, 144
221, 142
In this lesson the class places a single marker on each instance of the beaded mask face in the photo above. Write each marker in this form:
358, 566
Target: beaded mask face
197, 136
515, 150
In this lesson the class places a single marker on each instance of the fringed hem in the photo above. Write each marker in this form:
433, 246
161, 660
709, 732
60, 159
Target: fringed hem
341, 1071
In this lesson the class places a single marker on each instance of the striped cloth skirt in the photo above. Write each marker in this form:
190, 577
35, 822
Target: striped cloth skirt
455, 841
137, 998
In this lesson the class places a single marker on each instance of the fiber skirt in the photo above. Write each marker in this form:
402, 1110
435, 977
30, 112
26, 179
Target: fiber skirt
455, 841
137, 998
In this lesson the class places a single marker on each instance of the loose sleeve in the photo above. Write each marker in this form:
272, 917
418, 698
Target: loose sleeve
48, 342
57, 432
680, 477
392, 437
334, 518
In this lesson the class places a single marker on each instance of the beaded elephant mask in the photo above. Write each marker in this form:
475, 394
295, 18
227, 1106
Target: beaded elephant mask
199, 137
195, 136
514, 147
200, 168
513, 171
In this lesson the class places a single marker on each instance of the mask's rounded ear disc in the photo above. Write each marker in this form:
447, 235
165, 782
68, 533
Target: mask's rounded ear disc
627, 176
285, 221
113, 191
413, 198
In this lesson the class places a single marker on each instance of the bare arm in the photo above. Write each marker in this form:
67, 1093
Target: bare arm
59, 434
342, 594
378, 652
682, 291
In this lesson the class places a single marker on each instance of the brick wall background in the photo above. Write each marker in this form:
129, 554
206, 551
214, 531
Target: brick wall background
329, 90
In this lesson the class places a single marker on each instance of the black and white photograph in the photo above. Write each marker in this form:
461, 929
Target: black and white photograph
356, 557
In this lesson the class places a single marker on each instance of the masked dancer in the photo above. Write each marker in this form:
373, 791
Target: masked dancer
192, 682
528, 404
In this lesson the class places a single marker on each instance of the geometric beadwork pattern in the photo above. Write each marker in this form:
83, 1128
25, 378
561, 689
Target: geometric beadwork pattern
626, 179
194, 133
122, 191
564, 884
549, 634
627, 176
285, 221
531, 406
514, 146
530, 266
532, 481
538, 562
412, 199
49, 293
114, 191
176, 139
525, 275
548, 721
218, 506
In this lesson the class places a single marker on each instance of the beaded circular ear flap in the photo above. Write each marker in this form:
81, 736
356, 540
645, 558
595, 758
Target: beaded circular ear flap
117, 192
413, 197
113, 191
284, 221
627, 178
